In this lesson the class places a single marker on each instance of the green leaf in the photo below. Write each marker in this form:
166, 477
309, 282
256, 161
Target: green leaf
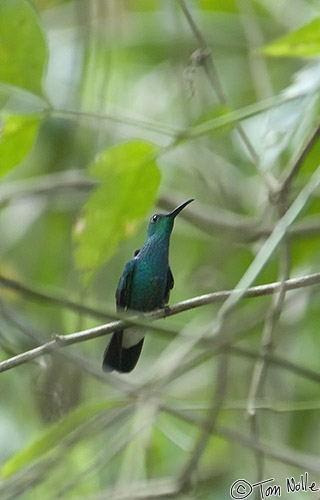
129, 179
17, 135
303, 42
53, 435
23, 49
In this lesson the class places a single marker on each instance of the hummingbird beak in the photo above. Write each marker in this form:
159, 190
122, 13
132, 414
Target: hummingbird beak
177, 210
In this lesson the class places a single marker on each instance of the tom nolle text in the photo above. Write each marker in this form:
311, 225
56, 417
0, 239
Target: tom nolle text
242, 488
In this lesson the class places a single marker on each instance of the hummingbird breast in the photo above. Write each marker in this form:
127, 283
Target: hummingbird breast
150, 281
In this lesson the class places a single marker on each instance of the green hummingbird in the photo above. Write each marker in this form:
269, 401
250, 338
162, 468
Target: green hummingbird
144, 286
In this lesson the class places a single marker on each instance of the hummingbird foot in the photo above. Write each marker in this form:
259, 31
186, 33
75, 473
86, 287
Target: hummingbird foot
166, 310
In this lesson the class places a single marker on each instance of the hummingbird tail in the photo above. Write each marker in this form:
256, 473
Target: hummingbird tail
117, 357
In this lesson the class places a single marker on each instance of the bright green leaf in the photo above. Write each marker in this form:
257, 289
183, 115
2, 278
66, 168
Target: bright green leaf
53, 435
129, 179
302, 42
217, 5
23, 49
17, 135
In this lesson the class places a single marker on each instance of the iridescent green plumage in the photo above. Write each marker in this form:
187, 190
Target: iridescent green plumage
144, 286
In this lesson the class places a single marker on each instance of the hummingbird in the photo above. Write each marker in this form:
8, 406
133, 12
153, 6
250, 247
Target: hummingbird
144, 286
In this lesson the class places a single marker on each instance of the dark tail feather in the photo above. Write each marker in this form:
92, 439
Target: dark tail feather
118, 358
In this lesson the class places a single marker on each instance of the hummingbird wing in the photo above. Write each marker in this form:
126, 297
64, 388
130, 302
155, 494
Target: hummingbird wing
116, 356
169, 286
124, 288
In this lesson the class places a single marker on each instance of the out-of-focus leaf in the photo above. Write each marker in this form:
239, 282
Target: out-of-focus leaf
17, 135
53, 435
130, 180
217, 5
23, 49
303, 42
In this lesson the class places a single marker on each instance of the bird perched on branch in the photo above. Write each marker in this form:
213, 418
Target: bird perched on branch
144, 286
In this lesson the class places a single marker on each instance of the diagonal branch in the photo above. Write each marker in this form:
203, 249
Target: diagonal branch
213, 76
208, 428
244, 229
296, 164
286, 455
143, 320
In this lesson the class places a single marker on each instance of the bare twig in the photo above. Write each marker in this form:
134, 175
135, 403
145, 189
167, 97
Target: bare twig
270, 245
32, 474
266, 346
46, 185
277, 361
166, 130
209, 424
153, 489
260, 368
284, 455
81, 362
44, 297
213, 77
143, 320
296, 164
255, 39
242, 228
207, 61
185, 305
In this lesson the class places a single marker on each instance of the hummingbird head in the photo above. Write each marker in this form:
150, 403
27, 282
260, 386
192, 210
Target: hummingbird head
162, 224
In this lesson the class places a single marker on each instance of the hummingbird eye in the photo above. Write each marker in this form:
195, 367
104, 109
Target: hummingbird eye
154, 218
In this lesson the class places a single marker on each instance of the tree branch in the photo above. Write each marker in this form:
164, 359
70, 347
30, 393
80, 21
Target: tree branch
243, 228
213, 76
285, 455
60, 341
219, 393
296, 164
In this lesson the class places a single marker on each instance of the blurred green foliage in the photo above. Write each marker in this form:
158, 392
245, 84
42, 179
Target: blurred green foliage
17, 138
23, 50
112, 110
129, 180
302, 42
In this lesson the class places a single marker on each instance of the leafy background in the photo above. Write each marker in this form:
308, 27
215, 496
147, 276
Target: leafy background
111, 110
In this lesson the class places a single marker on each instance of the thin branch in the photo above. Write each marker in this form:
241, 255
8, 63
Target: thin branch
216, 346
49, 184
32, 293
209, 424
261, 365
294, 167
153, 489
185, 305
166, 130
213, 76
277, 361
32, 474
255, 39
285, 455
266, 347
53, 184
40, 296
115, 446
270, 245
143, 320
206, 60
81, 362
242, 228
